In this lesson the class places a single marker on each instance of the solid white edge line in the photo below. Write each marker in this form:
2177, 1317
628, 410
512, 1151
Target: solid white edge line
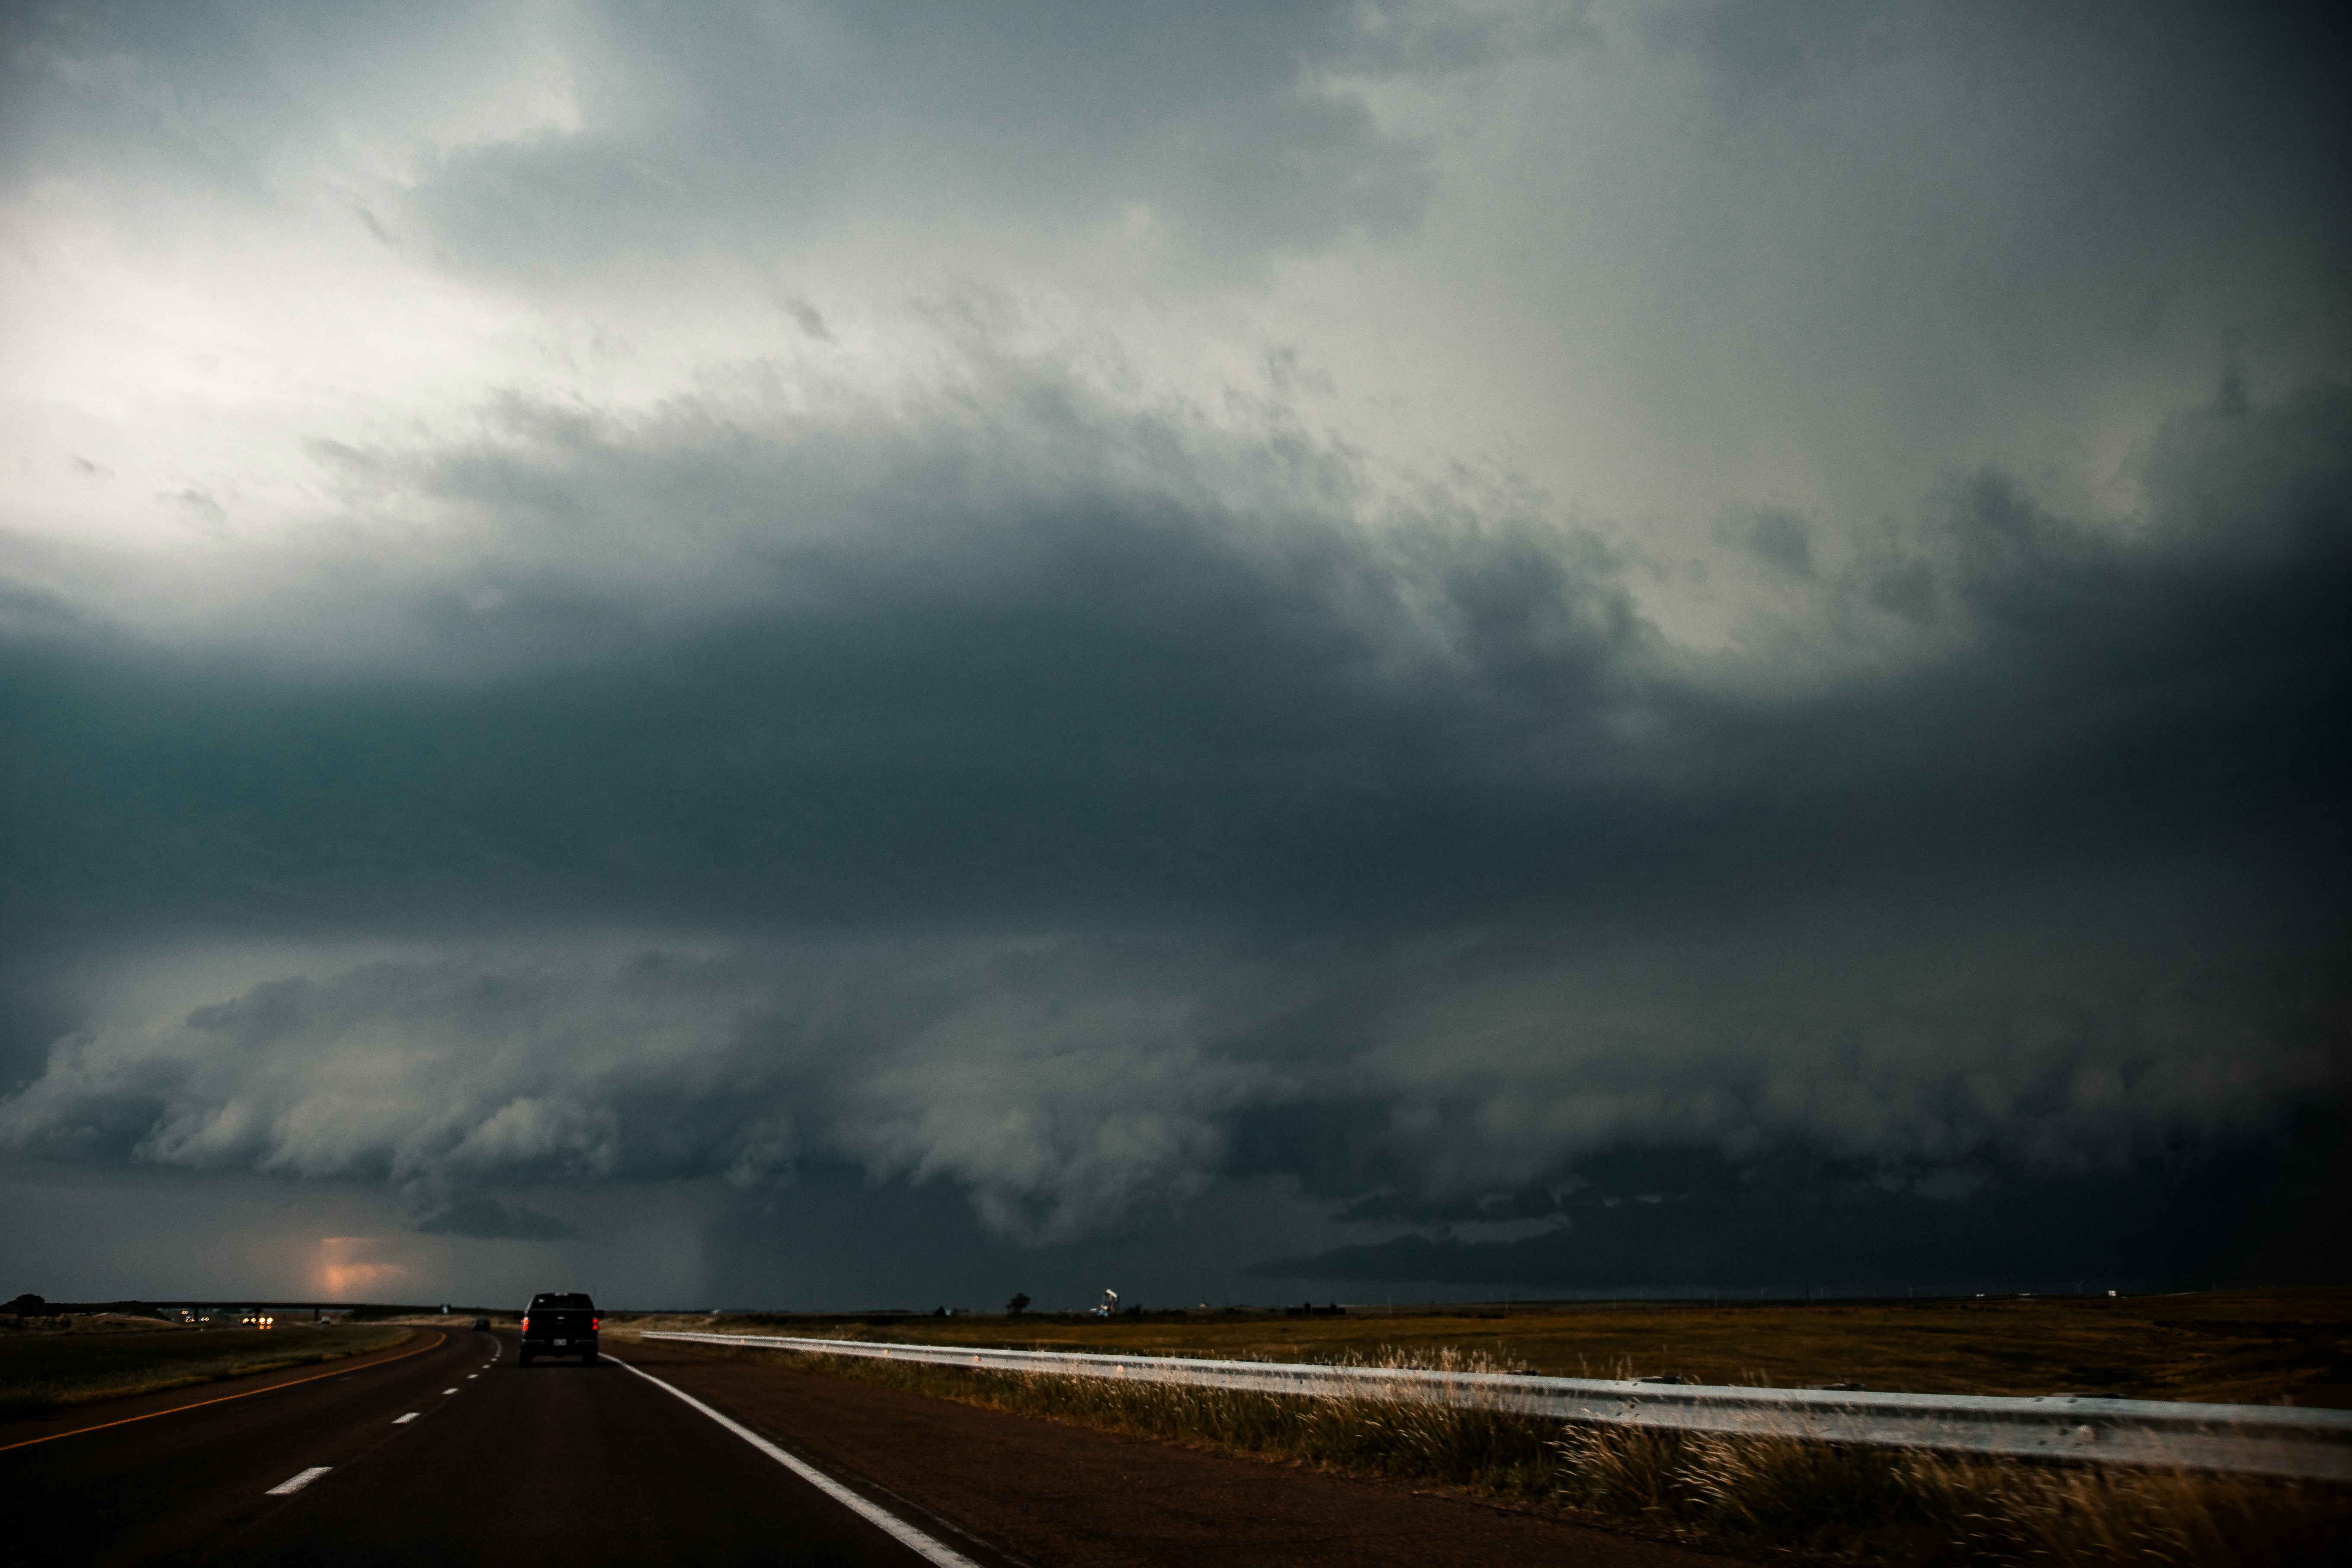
293, 1484
404, 1420
899, 1529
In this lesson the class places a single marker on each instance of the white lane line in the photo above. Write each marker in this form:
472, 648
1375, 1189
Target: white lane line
899, 1529
293, 1484
404, 1420
471, 1375
449, 1391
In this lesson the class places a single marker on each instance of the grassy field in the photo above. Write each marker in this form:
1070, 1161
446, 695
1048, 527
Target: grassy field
2239, 1347
47, 1372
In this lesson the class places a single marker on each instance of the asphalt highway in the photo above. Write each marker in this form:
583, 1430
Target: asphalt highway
451, 1453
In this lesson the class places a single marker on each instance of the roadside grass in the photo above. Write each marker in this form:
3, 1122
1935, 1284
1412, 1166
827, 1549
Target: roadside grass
1890, 1506
1818, 1502
44, 1372
126, 1322
2251, 1347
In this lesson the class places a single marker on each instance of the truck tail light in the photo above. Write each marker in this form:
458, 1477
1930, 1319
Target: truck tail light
596, 1323
526, 1325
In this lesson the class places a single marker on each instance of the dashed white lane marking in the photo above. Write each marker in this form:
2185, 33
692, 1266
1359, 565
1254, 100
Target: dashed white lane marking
404, 1420
471, 1375
449, 1391
293, 1484
934, 1552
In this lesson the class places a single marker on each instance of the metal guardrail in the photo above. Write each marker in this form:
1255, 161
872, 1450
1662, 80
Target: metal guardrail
2246, 1439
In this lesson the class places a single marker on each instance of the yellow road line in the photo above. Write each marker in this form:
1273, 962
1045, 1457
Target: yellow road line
291, 1382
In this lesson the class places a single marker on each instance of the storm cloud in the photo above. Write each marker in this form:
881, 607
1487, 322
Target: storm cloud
726, 730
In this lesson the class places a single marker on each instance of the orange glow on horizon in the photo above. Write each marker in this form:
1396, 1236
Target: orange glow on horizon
346, 1270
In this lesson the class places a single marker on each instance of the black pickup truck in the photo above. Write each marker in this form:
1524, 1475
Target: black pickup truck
560, 1322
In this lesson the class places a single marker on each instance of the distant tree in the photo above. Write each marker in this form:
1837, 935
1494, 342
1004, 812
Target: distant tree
1018, 1305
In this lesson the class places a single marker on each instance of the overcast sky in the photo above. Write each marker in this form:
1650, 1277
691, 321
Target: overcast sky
874, 653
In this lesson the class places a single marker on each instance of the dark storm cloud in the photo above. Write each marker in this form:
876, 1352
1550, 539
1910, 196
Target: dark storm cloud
882, 671
1073, 807
491, 1219
1692, 1225
889, 674
477, 732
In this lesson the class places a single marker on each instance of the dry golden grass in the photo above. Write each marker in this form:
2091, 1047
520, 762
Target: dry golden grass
1883, 1506
2247, 1347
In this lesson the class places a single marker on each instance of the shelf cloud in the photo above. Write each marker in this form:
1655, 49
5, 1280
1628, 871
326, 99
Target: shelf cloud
1099, 615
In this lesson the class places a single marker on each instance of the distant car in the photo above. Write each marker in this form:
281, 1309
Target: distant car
481, 1323
560, 1322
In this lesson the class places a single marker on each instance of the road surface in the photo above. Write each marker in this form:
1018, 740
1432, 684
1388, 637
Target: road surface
446, 1451
450, 1454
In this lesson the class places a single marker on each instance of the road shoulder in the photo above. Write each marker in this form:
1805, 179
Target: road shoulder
1056, 1494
